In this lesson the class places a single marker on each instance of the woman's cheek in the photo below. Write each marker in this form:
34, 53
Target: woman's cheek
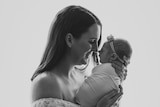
87, 50
86, 47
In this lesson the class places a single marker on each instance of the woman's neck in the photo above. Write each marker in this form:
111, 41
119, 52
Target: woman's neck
64, 67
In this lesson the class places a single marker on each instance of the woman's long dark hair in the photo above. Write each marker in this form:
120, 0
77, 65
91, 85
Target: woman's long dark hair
72, 19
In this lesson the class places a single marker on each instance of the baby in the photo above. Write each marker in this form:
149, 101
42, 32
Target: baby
104, 77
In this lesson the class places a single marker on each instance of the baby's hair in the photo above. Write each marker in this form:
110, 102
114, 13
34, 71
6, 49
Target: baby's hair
122, 49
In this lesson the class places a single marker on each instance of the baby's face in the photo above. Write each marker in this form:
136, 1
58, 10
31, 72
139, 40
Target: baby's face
104, 53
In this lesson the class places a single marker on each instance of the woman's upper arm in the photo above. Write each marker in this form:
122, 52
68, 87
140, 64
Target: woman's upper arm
45, 88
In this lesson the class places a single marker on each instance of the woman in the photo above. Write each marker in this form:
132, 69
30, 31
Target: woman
72, 35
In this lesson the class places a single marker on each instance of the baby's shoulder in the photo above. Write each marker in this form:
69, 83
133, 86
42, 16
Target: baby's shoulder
105, 67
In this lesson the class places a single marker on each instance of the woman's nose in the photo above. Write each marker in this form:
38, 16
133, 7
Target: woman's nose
94, 48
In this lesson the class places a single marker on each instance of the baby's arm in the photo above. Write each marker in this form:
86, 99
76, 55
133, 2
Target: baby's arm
84, 95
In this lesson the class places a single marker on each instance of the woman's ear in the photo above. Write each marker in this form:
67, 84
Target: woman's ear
69, 40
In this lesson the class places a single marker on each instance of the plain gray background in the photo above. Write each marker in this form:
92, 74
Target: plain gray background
24, 30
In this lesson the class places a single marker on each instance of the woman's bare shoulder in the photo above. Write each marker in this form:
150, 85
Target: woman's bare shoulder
45, 86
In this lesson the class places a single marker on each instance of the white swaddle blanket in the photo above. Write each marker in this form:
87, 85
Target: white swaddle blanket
102, 80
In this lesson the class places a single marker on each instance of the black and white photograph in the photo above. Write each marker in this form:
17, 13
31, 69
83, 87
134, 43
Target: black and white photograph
79, 53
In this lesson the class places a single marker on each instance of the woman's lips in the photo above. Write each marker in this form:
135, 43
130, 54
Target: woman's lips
83, 61
86, 57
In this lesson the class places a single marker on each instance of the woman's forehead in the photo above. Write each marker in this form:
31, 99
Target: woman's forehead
94, 32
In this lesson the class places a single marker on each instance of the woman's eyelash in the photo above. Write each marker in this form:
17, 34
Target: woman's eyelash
92, 41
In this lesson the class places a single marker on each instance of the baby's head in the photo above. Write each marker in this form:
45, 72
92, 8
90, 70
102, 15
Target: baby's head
115, 49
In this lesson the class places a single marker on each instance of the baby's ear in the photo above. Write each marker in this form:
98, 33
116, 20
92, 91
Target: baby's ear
113, 57
69, 40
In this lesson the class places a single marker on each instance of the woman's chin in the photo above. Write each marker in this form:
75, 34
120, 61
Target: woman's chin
83, 61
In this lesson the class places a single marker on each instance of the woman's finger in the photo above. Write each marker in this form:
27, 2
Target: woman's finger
105, 100
116, 98
121, 89
111, 94
120, 70
117, 66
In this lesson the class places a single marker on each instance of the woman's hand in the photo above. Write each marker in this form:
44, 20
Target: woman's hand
120, 69
110, 98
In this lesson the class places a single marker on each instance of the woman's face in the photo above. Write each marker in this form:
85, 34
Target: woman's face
82, 46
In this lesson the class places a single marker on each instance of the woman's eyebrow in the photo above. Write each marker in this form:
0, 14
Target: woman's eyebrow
93, 38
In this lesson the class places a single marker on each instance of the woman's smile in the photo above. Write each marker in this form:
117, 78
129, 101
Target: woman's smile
86, 57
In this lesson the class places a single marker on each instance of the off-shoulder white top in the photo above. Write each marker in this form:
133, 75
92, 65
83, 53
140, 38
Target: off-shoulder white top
53, 102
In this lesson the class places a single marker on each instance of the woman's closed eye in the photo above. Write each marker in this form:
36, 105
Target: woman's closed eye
93, 43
